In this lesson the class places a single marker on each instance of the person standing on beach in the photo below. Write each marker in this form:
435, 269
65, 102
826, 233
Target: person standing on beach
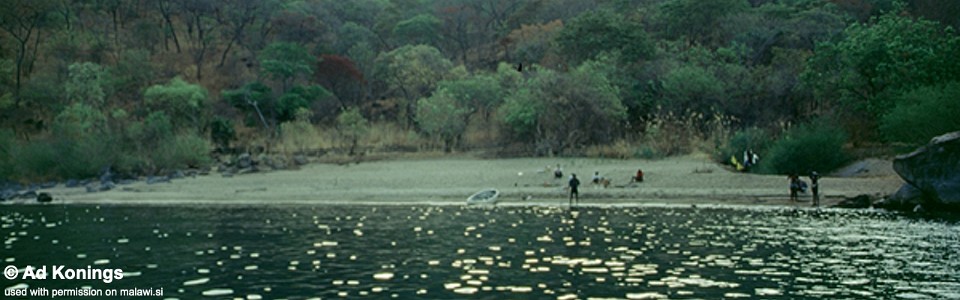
815, 187
558, 173
794, 186
574, 192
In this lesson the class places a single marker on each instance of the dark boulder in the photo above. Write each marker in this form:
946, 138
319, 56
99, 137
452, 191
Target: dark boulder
905, 199
44, 197
8, 194
300, 159
109, 185
71, 183
933, 171
244, 161
862, 201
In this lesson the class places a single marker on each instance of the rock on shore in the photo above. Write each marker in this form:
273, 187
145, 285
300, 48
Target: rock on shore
932, 174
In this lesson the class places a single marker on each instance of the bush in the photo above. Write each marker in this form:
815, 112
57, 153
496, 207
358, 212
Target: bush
923, 114
806, 148
6, 154
182, 151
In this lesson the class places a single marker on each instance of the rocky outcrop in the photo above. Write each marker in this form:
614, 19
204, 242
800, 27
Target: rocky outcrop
861, 201
932, 173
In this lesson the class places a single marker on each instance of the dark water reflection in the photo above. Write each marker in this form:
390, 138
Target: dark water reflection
451, 252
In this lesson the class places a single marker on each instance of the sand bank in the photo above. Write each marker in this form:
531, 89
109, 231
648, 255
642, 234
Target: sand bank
450, 180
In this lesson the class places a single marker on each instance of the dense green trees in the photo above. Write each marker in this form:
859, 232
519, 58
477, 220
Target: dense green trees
154, 79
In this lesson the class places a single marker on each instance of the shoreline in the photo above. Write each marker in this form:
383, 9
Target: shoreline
685, 180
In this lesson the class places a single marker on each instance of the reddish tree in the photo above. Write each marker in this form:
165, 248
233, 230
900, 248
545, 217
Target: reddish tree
340, 76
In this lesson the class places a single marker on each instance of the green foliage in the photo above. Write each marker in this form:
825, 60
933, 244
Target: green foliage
420, 29
482, 92
222, 132
596, 32
876, 61
563, 111
352, 126
254, 98
7, 148
806, 148
694, 19
922, 114
86, 84
692, 88
413, 71
442, 116
133, 72
79, 121
285, 61
185, 103
300, 97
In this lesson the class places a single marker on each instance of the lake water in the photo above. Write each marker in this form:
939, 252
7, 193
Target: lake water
453, 252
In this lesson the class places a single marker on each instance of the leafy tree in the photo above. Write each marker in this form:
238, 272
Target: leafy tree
412, 72
696, 20
922, 114
300, 97
692, 88
442, 116
133, 72
222, 133
593, 33
285, 62
531, 43
339, 75
876, 62
79, 121
478, 92
22, 20
256, 99
421, 29
352, 126
86, 84
564, 111
185, 103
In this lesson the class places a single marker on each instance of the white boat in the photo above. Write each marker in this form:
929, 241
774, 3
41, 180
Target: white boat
487, 196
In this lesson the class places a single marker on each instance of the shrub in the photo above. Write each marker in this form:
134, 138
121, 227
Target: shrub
7, 143
222, 133
806, 148
181, 151
923, 114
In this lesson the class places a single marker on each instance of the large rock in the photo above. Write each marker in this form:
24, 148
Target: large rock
934, 171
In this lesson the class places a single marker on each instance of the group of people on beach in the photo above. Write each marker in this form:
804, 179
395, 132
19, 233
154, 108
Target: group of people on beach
573, 184
798, 186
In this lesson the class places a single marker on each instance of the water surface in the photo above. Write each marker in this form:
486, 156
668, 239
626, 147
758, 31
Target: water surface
453, 252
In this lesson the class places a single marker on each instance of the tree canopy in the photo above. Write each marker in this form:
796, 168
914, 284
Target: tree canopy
563, 77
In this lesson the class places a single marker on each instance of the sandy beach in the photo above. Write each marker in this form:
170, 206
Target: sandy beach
522, 181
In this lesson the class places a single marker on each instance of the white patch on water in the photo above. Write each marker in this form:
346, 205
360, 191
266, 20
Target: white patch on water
197, 281
217, 292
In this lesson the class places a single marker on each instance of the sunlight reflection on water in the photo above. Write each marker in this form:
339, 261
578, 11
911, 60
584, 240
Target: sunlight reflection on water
303, 252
